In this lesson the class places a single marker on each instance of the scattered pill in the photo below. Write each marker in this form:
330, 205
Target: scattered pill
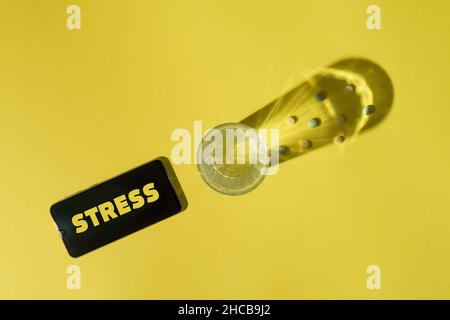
340, 118
321, 95
350, 88
283, 149
368, 110
306, 144
292, 120
338, 139
314, 123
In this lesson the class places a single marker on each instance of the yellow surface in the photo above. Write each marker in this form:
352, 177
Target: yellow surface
81, 106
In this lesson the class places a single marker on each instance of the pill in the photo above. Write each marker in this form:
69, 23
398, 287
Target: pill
306, 144
368, 110
314, 123
340, 118
283, 150
321, 95
338, 139
350, 88
292, 120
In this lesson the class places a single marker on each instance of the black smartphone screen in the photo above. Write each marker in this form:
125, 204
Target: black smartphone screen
118, 207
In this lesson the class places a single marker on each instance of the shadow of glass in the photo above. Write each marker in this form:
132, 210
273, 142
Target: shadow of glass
333, 105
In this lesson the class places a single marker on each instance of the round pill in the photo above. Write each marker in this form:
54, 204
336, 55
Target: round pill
320, 96
292, 120
339, 139
340, 118
283, 149
368, 110
306, 144
314, 123
350, 88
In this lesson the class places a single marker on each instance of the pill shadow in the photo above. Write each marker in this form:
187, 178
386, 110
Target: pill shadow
334, 105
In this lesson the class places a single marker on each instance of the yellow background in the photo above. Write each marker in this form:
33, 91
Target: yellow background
78, 107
